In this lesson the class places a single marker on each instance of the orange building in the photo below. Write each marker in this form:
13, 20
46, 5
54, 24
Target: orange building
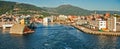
107, 15
72, 17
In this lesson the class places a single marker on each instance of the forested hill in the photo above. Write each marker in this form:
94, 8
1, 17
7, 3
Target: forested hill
6, 6
73, 10
11, 7
68, 10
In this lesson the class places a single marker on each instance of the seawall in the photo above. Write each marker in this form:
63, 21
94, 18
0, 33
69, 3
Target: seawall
89, 31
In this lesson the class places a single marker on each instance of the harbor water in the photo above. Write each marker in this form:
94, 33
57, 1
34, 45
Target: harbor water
57, 37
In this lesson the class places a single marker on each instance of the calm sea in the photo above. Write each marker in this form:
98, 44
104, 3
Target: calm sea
57, 37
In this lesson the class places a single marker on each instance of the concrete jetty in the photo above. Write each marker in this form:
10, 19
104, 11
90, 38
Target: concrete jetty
17, 29
20, 29
89, 31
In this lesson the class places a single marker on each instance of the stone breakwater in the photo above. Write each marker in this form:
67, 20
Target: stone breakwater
89, 31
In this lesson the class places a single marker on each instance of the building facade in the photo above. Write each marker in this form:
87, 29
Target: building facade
102, 24
111, 23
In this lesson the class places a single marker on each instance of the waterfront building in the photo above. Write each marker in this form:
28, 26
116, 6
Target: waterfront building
48, 19
118, 27
6, 21
81, 22
45, 20
107, 15
22, 21
118, 23
102, 24
111, 23
72, 18
94, 24
62, 17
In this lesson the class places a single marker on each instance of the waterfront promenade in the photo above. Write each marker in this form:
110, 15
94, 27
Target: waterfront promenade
90, 31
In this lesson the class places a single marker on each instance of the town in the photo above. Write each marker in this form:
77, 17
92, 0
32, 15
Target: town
59, 24
97, 22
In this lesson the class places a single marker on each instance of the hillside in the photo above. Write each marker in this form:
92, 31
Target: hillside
73, 10
103, 12
68, 10
22, 8
6, 6
18, 8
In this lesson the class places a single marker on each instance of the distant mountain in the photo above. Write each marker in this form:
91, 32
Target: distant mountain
22, 8
68, 10
73, 10
103, 12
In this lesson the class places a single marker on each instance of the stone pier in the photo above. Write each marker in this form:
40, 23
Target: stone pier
17, 29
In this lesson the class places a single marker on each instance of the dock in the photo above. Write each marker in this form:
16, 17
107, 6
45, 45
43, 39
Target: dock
89, 31
20, 29
17, 29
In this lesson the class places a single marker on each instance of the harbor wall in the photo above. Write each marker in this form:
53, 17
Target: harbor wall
89, 31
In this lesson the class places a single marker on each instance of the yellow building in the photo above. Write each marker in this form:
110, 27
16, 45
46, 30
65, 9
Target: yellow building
22, 21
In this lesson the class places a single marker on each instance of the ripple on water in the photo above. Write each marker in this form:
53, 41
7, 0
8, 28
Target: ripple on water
58, 37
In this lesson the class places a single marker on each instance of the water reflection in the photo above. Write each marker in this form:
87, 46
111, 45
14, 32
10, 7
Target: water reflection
45, 24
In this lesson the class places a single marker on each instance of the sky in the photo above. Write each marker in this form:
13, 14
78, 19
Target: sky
105, 5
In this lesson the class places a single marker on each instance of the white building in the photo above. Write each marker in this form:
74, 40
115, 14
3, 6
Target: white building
45, 20
112, 26
102, 24
62, 17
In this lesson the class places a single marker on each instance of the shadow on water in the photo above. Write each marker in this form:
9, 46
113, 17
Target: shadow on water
58, 37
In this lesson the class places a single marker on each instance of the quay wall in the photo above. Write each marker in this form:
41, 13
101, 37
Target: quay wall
89, 31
